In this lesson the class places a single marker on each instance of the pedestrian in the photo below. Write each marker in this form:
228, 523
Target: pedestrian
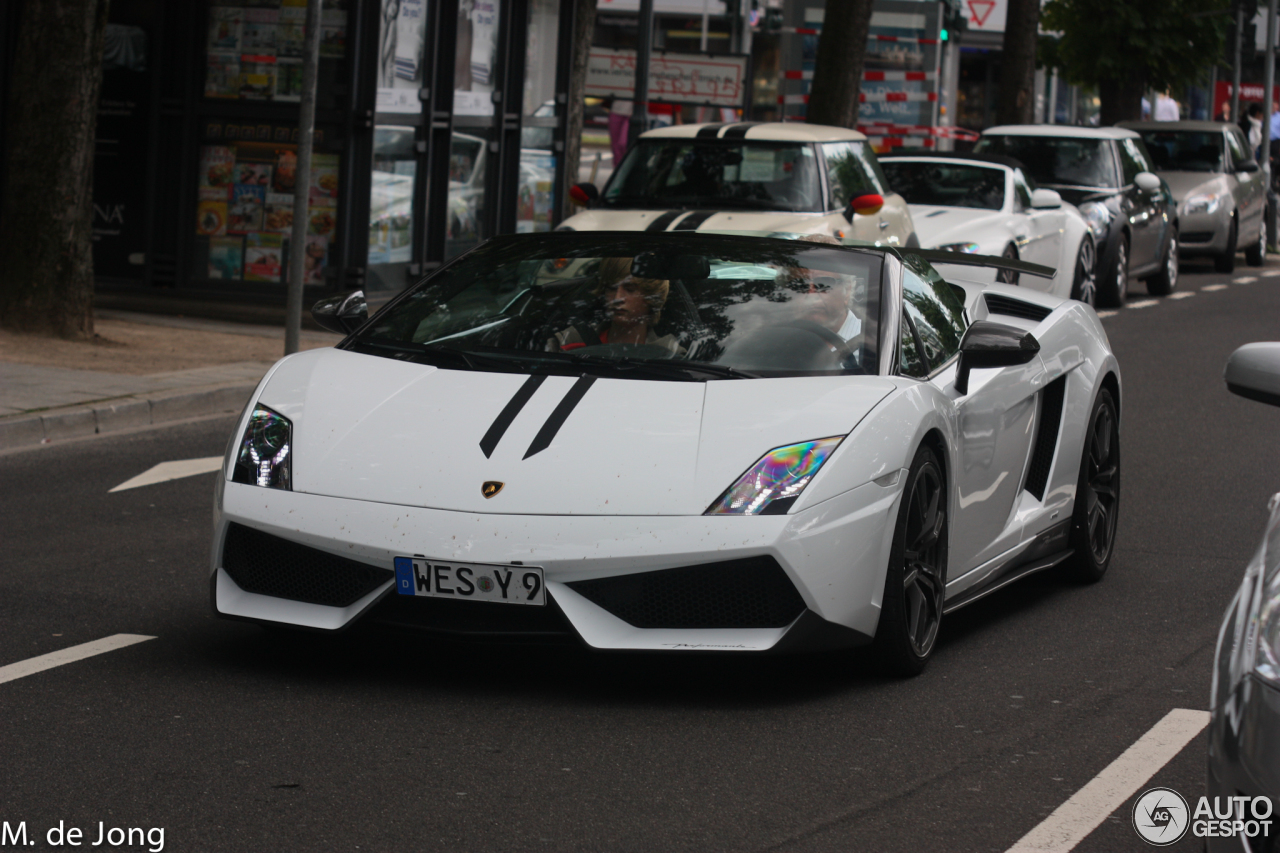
1224, 114
1166, 108
1275, 120
1253, 129
619, 128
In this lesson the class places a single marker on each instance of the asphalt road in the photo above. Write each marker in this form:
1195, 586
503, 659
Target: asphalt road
232, 738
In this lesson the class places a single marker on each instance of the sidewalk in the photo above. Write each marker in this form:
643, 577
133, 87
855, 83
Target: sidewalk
143, 369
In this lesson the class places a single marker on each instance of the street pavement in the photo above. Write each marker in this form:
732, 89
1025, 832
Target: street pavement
229, 737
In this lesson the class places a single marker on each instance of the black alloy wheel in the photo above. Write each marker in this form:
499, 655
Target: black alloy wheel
1010, 253
1226, 262
1085, 285
1116, 288
915, 582
1096, 513
1166, 281
1256, 254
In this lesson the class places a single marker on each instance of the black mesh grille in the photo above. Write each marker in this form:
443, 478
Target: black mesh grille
750, 593
1195, 237
998, 304
268, 565
1046, 437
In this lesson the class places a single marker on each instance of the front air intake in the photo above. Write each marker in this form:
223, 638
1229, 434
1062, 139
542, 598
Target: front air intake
268, 565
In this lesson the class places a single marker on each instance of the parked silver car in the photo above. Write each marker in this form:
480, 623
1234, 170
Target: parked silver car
1219, 189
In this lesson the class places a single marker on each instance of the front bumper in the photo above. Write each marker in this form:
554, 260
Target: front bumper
1244, 757
1204, 233
834, 554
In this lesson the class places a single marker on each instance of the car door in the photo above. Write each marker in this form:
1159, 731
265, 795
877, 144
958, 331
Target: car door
1043, 231
994, 420
1246, 186
1145, 222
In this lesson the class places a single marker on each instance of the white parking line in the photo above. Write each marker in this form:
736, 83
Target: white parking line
1269, 273
1104, 314
70, 655
1072, 821
1246, 279
1212, 287
1182, 294
1145, 303
167, 471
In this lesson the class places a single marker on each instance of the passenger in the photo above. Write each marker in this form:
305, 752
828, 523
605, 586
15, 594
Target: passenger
633, 306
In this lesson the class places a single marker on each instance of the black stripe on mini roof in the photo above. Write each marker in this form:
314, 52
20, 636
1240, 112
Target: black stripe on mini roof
508, 414
693, 220
738, 131
711, 131
660, 223
542, 440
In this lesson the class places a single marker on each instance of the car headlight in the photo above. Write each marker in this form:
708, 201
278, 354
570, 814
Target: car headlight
1202, 203
1254, 628
772, 485
967, 248
1097, 216
1266, 661
266, 450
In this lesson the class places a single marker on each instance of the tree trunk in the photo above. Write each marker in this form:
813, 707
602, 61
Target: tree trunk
46, 215
1121, 100
1017, 101
584, 27
837, 71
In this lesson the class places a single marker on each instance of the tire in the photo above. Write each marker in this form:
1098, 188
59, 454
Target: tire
1256, 253
915, 581
1226, 262
1166, 281
1093, 521
1008, 276
1115, 286
1085, 285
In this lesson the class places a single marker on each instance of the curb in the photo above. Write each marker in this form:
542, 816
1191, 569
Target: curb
122, 413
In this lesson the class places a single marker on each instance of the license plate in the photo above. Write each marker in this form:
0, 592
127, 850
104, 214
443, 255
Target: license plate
470, 581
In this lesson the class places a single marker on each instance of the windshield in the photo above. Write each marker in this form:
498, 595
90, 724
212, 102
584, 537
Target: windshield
1184, 150
946, 184
659, 173
642, 306
1061, 161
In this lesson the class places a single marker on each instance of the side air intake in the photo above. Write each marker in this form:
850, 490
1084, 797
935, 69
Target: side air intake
997, 304
1046, 436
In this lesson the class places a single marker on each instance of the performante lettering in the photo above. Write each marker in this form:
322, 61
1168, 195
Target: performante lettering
13, 835
503, 582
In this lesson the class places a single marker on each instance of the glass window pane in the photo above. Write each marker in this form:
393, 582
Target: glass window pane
852, 170
937, 313
475, 67
467, 158
391, 214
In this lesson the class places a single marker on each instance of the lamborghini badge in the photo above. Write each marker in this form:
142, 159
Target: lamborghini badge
491, 488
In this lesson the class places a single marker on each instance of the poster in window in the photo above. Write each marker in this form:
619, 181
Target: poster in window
226, 257
211, 214
224, 28
476, 59
324, 178
314, 263
401, 36
222, 75
283, 180
263, 254
245, 212
322, 222
217, 166
257, 77
333, 34
258, 31
288, 79
291, 32
253, 174
278, 215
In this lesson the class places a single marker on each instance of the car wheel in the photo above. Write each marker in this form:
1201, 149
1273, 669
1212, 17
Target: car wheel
1226, 262
1256, 254
1166, 281
1010, 253
1085, 285
916, 578
1115, 289
1093, 522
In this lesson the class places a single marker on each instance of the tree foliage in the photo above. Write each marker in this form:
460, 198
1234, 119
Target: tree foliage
1124, 47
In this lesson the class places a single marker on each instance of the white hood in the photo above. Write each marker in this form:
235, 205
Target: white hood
733, 220
940, 226
377, 429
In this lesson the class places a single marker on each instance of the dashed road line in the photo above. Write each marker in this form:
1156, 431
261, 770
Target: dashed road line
1212, 287
166, 471
1269, 274
1143, 303
1102, 315
1182, 294
1246, 279
1072, 821
69, 655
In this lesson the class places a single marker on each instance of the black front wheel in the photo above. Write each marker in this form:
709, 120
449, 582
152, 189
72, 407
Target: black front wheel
1085, 285
1094, 519
915, 582
1115, 286
1166, 281
1010, 253
1226, 262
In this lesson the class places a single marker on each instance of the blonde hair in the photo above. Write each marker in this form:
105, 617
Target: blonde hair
654, 290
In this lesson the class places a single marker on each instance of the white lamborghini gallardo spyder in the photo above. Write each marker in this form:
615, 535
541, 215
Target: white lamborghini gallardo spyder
675, 442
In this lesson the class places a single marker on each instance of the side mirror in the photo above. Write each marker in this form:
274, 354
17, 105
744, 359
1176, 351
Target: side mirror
1045, 200
584, 194
866, 205
1147, 181
342, 314
1247, 166
987, 344
1253, 371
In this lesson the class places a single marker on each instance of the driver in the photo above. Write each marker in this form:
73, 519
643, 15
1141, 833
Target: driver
825, 298
633, 307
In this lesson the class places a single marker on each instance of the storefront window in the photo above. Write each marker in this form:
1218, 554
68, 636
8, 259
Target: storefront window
391, 217
254, 49
537, 158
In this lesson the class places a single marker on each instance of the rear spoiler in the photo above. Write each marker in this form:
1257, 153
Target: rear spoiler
935, 256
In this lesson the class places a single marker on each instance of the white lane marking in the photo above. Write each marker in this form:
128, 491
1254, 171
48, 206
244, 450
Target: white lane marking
166, 471
1102, 314
1246, 279
70, 655
1072, 821
1182, 295
1145, 303
1212, 287
1269, 273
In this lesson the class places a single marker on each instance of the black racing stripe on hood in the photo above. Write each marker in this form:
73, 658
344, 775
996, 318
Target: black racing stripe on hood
739, 131
711, 131
693, 220
660, 223
542, 440
508, 414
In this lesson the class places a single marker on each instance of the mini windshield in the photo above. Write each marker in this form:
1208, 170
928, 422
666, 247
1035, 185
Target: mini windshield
946, 184
659, 173
1184, 150
641, 306
1057, 160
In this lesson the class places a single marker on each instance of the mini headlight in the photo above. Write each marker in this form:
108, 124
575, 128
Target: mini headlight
967, 248
265, 456
772, 485
1202, 203
1097, 216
